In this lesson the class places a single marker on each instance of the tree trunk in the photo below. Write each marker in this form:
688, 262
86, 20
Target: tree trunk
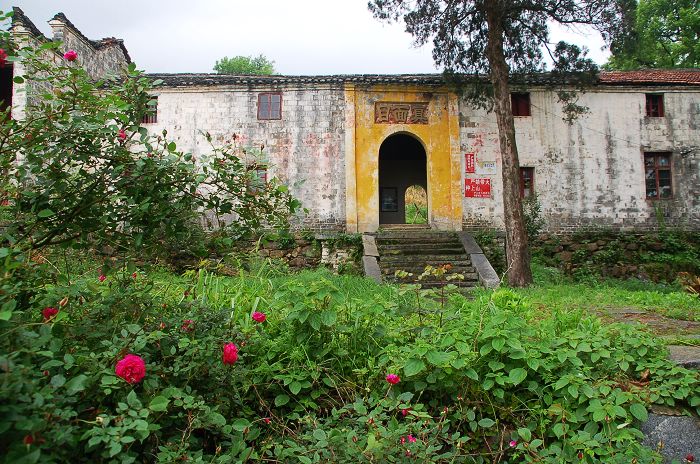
517, 253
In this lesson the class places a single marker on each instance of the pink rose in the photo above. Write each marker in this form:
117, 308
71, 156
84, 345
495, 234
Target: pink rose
3, 56
404, 412
393, 379
102, 278
230, 355
513, 443
70, 55
259, 317
49, 313
187, 325
131, 368
121, 135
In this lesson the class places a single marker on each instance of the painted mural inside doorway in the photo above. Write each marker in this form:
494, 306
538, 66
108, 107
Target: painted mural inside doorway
402, 163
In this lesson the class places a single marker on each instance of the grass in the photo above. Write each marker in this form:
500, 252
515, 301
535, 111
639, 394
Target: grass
554, 291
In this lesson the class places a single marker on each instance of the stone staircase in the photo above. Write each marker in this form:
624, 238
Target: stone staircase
411, 248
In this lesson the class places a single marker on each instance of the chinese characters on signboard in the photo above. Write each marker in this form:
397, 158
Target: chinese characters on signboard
477, 188
469, 163
400, 113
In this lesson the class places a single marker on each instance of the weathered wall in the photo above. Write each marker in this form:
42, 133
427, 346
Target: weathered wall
98, 58
305, 148
591, 174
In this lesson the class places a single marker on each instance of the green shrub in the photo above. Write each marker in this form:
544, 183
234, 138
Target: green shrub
310, 383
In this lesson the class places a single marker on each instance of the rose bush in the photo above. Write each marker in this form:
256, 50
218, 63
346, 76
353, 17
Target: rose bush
475, 375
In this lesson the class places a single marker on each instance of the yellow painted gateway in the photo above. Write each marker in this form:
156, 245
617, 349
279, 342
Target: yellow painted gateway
402, 136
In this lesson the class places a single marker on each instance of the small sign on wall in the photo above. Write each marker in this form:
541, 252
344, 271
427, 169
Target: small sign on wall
477, 188
485, 167
469, 162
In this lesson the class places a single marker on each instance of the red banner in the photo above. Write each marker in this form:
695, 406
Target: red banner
477, 188
469, 163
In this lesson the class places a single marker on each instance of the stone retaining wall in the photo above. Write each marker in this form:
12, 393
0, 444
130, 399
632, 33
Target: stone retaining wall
655, 256
342, 253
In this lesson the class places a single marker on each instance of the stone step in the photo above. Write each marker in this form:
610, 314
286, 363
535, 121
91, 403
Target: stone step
403, 260
413, 240
424, 249
425, 258
414, 235
420, 267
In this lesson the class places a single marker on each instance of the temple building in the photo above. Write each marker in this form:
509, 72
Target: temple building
349, 146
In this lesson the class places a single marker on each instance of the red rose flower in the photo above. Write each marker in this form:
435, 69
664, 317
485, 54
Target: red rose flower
102, 278
49, 313
187, 325
393, 379
230, 355
3, 56
70, 55
121, 135
690, 458
28, 440
131, 368
259, 317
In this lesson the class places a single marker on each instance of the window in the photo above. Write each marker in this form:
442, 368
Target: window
270, 106
5, 86
520, 102
151, 115
527, 182
657, 168
655, 105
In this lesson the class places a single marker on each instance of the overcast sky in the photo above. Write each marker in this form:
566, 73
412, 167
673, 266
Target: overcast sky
301, 36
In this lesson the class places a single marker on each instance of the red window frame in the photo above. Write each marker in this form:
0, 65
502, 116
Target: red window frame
655, 105
520, 103
527, 173
655, 168
270, 114
151, 114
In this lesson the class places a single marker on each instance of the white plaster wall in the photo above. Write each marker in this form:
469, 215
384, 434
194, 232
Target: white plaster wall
591, 173
305, 149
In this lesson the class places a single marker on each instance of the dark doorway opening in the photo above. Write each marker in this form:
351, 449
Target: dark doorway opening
402, 164
5, 87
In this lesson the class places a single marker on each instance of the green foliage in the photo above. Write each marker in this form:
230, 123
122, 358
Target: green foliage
493, 248
666, 35
416, 214
258, 65
309, 383
80, 170
534, 222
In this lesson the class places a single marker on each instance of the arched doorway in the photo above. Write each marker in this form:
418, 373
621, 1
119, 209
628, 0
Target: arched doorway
402, 163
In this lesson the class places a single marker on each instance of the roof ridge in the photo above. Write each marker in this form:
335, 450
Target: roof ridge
95, 44
21, 19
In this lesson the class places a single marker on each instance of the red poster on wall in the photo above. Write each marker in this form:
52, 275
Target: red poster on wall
477, 188
469, 163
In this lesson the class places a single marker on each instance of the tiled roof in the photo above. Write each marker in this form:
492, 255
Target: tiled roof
647, 77
652, 76
96, 44
20, 19
187, 80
